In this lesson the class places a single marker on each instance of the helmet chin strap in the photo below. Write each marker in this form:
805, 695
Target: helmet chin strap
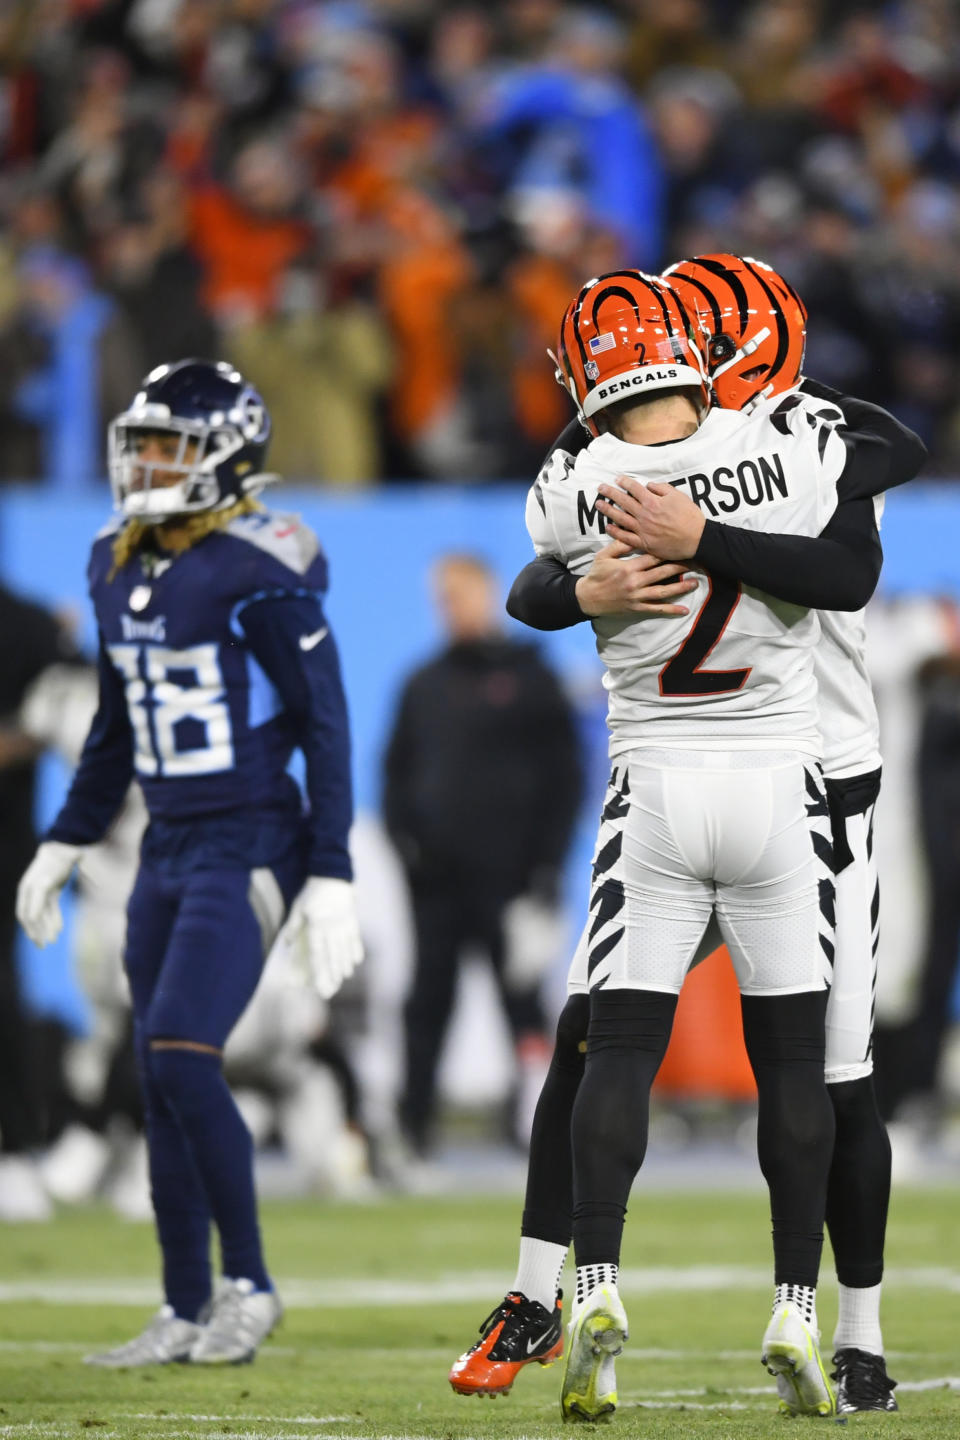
752, 403
253, 484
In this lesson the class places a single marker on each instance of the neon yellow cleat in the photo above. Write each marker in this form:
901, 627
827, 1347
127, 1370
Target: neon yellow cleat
791, 1353
595, 1337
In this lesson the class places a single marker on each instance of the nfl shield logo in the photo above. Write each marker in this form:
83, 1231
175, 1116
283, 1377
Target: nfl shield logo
592, 369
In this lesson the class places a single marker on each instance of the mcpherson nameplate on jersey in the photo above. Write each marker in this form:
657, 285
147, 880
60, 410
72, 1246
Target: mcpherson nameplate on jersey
751, 482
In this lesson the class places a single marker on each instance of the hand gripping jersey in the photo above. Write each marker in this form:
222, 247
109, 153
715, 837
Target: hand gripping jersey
214, 665
737, 671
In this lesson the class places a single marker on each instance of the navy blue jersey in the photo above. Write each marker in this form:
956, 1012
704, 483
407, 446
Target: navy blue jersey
215, 665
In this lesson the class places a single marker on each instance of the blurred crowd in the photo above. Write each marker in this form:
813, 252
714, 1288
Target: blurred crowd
378, 209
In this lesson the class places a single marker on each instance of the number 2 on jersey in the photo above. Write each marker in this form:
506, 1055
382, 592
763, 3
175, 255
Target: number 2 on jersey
682, 675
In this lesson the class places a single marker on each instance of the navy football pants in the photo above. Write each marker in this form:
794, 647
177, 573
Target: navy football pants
194, 955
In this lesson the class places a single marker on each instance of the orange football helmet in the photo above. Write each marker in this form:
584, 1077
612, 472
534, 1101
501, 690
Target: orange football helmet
757, 324
625, 334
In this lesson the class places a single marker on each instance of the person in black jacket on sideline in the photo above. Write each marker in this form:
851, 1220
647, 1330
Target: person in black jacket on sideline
482, 785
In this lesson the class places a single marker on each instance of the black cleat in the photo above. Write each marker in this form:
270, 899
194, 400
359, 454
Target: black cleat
862, 1382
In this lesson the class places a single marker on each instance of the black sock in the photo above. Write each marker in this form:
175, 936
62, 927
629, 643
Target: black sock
627, 1039
858, 1193
548, 1208
784, 1036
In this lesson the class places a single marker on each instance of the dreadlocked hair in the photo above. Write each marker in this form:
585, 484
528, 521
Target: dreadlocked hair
193, 529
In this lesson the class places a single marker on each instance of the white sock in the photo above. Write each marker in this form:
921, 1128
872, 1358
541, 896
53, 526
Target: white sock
858, 1321
803, 1296
539, 1269
591, 1277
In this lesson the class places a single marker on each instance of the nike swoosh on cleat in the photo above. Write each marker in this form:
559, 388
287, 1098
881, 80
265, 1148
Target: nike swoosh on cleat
309, 642
532, 1344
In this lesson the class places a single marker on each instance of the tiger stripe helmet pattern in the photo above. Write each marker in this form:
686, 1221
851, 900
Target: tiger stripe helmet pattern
757, 325
625, 334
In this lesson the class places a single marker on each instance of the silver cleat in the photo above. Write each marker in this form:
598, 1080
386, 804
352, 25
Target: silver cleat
240, 1318
166, 1340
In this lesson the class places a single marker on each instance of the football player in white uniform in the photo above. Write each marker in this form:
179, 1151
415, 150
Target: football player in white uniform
715, 809
835, 576
548, 596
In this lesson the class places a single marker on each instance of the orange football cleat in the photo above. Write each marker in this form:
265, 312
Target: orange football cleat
519, 1332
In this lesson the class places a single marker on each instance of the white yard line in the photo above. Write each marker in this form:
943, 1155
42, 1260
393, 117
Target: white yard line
226, 1434
945, 1382
41, 1347
235, 1419
36, 1428
451, 1288
51, 1427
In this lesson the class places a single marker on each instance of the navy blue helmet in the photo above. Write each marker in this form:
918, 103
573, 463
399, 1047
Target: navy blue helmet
194, 438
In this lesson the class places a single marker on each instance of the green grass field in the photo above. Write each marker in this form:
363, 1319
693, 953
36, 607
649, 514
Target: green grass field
381, 1298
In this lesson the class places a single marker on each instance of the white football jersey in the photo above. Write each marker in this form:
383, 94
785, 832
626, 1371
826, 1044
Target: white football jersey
848, 712
849, 724
737, 671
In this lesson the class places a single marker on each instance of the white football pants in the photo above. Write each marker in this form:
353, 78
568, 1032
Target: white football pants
686, 837
850, 1008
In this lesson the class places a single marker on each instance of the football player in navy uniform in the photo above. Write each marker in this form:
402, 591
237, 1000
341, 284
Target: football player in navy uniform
215, 663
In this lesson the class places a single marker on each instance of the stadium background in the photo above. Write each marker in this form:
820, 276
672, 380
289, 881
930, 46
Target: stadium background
381, 546
378, 209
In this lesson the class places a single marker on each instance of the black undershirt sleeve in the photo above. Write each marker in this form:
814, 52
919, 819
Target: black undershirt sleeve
835, 570
883, 453
573, 438
544, 596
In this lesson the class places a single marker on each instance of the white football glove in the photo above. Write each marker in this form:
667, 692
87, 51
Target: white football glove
38, 894
323, 930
